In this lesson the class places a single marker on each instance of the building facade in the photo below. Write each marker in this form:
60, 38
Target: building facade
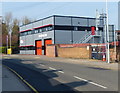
61, 30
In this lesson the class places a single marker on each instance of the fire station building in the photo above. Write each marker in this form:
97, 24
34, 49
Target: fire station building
61, 30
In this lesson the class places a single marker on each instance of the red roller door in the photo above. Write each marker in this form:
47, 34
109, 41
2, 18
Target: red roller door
38, 47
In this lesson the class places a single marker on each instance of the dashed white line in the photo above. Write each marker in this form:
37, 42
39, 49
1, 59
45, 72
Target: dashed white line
6, 57
90, 82
36, 57
42, 65
55, 69
27, 62
61, 71
52, 68
80, 78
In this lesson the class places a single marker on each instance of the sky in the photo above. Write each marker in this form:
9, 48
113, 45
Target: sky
39, 10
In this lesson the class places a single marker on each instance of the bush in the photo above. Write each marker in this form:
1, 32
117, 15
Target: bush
15, 50
3, 50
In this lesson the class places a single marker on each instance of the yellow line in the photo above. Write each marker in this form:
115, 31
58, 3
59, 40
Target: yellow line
22, 79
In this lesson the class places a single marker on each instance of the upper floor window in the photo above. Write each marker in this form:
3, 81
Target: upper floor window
39, 30
35, 31
29, 32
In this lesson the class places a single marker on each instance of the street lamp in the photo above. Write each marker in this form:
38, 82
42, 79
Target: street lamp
7, 42
107, 31
10, 34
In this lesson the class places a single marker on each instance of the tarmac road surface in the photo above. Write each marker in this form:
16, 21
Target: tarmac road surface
60, 76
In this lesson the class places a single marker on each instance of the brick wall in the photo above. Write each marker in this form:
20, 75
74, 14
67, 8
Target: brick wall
74, 52
118, 53
77, 52
112, 55
51, 50
115, 54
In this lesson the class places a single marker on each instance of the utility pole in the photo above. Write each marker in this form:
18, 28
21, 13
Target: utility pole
7, 42
107, 31
10, 38
97, 21
115, 44
10, 33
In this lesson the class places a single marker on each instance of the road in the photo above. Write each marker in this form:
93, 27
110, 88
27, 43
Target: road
60, 76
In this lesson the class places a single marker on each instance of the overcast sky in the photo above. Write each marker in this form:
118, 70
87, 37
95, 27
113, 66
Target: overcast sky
38, 10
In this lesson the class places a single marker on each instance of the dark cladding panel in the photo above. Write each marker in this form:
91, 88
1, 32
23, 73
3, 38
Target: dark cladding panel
79, 22
62, 37
77, 35
62, 20
92, 22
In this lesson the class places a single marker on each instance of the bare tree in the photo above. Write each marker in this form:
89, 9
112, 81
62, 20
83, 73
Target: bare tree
25, 20
0, 24
8, 21
0, 31
16, 22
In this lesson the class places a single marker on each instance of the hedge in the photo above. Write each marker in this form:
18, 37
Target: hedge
15, 49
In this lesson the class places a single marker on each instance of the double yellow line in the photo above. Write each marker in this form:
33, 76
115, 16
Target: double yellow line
30, 86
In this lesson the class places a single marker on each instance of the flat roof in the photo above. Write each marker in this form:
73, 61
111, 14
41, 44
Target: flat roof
57, 16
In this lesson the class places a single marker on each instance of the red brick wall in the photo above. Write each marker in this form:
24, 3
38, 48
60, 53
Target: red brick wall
74, 52
50, 50
115, 54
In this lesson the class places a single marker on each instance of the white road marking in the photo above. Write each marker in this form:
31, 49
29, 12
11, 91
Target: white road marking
61, 71
90, 82
27, 62
15, 55
80, 78
6, 57
52, 68
36, 57
42, 65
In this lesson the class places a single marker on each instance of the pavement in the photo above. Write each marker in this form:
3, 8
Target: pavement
78, 74
9, 82
0, 75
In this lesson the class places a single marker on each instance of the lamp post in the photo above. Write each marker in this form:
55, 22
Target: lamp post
10, 37
107, 31
7, 43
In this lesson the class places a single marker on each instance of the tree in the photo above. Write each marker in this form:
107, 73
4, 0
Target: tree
15, 29
0, 31
25, 20
15, 32
10, 24
8, 21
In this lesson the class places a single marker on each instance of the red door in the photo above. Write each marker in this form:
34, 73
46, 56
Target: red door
46, 42
38, 47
